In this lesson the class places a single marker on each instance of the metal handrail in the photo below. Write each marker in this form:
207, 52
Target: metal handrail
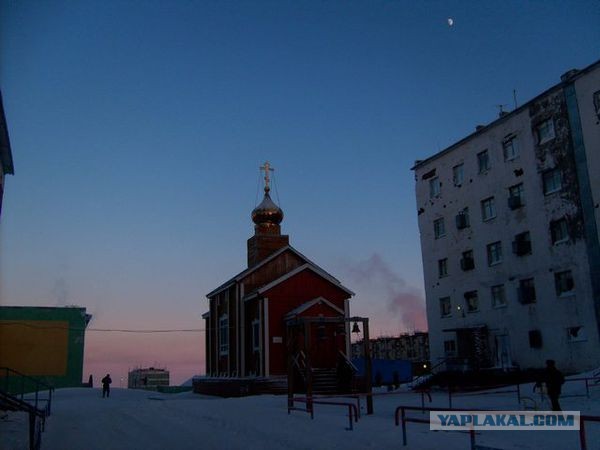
310, 402
7, 371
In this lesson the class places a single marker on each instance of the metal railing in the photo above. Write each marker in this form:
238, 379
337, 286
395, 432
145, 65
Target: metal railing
18, 385
400, 418
310, 402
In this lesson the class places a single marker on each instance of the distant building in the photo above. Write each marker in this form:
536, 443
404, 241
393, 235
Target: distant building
44, 342
409, 347
508, 218
248, 315
6, 162
147, 378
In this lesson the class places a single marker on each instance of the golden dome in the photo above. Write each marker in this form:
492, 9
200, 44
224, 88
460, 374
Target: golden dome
267, 212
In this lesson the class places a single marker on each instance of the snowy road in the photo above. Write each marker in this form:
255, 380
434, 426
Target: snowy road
131, 419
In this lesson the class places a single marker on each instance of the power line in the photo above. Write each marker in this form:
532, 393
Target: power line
103, 330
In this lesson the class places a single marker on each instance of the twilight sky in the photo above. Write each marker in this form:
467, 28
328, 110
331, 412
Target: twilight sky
138, 127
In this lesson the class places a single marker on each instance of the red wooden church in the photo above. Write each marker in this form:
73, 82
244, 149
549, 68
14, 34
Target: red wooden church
250, 316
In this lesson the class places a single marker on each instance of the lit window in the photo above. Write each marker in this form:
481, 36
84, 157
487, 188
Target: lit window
498, 296
439, 228
224, 335
559, 230
435, 187
445, 307
576, 334
552, 180
515, 196
443, 267
545, 131
488, 209
472, 301
494, 253
527, 291
458, 174
563, 282
510, 148
483, 161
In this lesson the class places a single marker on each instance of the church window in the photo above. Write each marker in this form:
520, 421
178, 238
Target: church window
256, 335
224, 335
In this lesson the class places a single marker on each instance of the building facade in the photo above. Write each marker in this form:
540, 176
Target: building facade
409, 347
508, 224
247, 317
147, 378
44, 342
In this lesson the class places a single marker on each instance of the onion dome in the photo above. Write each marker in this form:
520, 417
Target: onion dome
267, 212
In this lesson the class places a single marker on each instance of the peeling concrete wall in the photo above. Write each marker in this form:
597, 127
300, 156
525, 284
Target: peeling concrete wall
550, 314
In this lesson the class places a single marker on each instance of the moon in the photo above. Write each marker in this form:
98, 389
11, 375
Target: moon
450, 21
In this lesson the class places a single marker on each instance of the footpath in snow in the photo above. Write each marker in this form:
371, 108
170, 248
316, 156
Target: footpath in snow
132, 419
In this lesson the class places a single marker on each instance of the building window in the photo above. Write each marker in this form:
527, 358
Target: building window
576, 334
445, 307
494, 253
256, 335
559, 231
439, 228
535, 339
450, 348
472, 301
522, 244
527, 291
515, 196
442, 267
545, 131
498, 296
510, 149
458, 174
435, 187
467, 262
483, 161
552, 180
462, 219
563, 282
488, 209
224, 335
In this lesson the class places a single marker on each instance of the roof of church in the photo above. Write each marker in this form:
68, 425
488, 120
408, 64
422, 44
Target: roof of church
306, 306
271, 257
6, 161
316, 269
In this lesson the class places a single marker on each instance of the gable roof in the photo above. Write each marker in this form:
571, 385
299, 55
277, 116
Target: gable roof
316, 269
269, 258
6, 161
305, 306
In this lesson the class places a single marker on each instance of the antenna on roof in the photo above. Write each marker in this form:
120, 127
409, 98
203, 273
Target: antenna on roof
515, 98
501, 111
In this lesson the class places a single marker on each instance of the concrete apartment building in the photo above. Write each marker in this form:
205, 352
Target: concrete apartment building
147, 378
508, 218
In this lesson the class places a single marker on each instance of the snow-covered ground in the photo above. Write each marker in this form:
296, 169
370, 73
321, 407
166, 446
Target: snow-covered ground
131, 419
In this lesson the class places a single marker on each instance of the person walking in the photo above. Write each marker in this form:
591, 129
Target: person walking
554, 380
106, 385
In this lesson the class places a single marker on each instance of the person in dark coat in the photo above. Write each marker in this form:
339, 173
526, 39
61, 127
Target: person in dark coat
106, 385
554, 380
